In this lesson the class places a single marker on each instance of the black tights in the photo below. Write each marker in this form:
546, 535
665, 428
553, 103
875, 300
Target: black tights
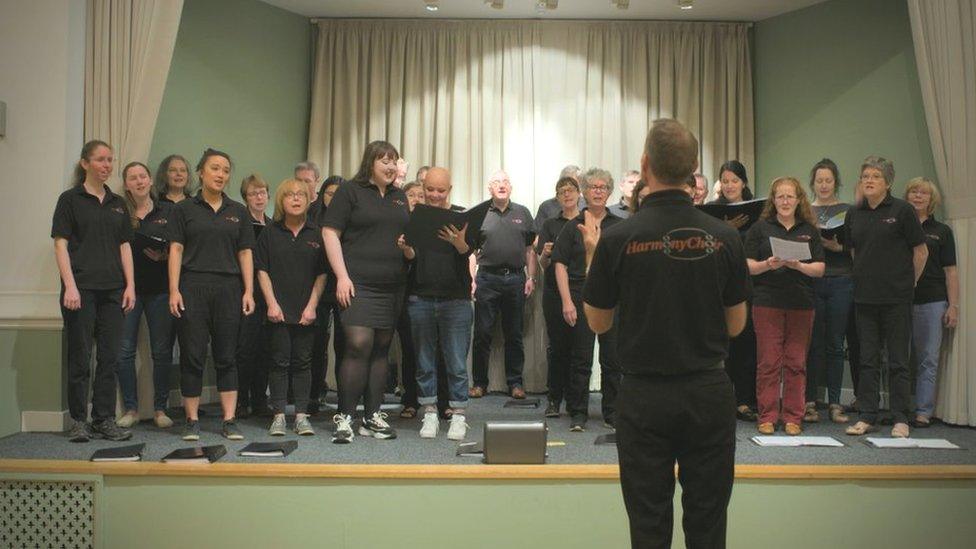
362, 372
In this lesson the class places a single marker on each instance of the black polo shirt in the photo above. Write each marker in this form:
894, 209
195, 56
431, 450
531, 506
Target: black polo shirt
94, 231
211, 239
551, 209
370, 226
837, 263
882, 239
783, 288
504, 237
440, 273
152, 277
941, 243
670, 270
570, 251
258, 225
292, 262
550, 231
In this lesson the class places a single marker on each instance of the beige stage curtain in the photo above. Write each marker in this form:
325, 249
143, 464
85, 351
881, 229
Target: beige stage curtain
129, 46
944, 33
529, 97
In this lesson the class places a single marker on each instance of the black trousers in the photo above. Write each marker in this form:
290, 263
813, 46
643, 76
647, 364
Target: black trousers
291, 353
741, 364
99, 320
581, 366
327, 314
890, 327
212, 314
559, 348
252, 357
688, 420
853, 349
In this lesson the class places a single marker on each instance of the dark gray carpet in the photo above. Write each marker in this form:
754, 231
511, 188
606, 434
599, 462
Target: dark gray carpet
409, 448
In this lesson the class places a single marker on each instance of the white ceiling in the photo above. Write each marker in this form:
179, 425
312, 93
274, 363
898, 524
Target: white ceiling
704, 10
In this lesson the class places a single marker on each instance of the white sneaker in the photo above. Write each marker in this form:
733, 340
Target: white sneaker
430, 426
343, 432
458, 428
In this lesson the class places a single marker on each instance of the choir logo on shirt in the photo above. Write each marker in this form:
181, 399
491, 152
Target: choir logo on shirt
686, 244
399, 203
160, 221
889, 220
517, 220
232, 218
313, 244
933, 236
803, 237
119, 210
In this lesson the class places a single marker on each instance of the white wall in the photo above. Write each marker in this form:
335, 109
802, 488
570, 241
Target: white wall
42, 58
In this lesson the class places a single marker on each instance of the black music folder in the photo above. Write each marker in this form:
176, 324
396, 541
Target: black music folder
425, 221
198, 454
143, 240
132, 452
269, 449
751, 208
834, 228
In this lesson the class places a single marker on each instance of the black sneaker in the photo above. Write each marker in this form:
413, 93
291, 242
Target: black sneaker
231, 431
577, 424
376, 426
191, 430
79, 432
552, 409
108, 430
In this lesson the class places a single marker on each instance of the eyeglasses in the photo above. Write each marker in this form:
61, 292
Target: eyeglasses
601, 188
294, 194
567, 191
259, 192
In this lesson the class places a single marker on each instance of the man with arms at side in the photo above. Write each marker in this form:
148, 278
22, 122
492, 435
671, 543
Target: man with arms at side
680, 282
627, 182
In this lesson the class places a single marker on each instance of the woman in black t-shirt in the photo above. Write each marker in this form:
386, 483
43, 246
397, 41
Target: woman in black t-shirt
150, 250
91, 231
363, 234
173, 182
936, 301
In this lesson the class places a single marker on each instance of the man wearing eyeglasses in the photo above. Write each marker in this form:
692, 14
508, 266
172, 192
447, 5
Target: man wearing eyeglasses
569, 260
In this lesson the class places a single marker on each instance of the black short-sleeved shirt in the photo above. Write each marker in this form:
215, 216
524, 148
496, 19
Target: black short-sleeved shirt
550, 231
882, 239
550, 209
783, 288
836, 263
94, 231
504, 237
441, 273
370, 226
941, 243
317, 217
211, 239
670, 270
292, 263
152, 277
570, 251
620, 209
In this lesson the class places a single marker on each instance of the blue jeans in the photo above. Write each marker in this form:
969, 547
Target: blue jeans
160, 322
927, 344
496, 293
832, 302
441, 326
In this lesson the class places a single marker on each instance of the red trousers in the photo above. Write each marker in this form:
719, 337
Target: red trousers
782, 340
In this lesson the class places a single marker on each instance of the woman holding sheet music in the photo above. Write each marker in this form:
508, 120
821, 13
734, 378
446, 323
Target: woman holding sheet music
150, 250
783, 303
741, 362
363, 233
833, 297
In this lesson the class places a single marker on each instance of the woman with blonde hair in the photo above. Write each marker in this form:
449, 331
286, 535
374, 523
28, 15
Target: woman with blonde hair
936, 302
782, 306
290, 264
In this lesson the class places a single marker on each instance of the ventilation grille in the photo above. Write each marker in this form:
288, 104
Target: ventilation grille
47, 514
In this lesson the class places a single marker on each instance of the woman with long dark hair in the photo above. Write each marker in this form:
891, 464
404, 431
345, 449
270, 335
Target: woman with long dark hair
363, 234
91, 231
150, 251
210, 285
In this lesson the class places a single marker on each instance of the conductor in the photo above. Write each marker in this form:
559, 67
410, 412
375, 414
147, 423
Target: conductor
680, 281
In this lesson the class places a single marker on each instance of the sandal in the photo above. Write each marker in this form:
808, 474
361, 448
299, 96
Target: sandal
861, 428
810, 414
900, 430
837, 414
922, 422
745, 413
408, 412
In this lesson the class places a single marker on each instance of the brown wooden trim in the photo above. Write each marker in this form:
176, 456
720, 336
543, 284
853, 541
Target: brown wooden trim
472, 472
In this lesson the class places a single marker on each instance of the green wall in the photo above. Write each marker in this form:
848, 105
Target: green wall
31, 375
838, 79
239, 82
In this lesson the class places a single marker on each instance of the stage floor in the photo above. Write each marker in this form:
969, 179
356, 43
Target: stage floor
410, 449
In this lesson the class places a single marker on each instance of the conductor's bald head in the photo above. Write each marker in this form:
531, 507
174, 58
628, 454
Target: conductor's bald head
670, 153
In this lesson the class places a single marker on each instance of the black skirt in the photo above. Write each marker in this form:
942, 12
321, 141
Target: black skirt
373, 307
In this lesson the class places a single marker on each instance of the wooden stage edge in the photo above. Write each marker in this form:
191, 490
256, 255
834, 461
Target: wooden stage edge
469, 472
